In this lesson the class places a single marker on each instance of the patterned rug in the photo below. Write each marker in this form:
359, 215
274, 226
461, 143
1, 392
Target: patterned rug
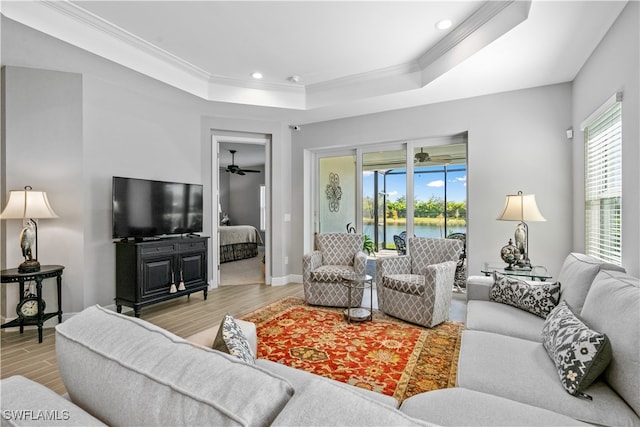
386, 355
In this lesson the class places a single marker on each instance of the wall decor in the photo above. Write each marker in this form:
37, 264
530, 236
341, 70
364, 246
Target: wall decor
334, 192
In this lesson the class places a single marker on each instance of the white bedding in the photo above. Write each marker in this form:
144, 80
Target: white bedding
232, 234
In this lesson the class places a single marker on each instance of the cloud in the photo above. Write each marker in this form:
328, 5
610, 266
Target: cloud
367, 173
436, 184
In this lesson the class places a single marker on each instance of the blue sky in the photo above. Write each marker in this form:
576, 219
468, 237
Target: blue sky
426, 185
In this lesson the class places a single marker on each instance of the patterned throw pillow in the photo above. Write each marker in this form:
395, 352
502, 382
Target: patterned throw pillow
538, 299
230, 339
579, 353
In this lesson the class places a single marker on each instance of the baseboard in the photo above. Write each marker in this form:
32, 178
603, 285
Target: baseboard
291, 278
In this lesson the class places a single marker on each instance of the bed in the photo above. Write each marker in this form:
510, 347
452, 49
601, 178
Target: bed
238, 242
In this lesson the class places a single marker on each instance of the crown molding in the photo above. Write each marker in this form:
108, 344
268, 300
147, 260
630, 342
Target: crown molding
111, 30
75, 25
489, 22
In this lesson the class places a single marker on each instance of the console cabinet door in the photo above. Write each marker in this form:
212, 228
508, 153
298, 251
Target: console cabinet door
156, 275
194, 268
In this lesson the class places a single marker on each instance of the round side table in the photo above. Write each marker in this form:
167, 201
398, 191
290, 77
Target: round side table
355, 281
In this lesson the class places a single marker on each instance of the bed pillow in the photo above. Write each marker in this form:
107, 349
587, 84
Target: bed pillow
579, 353
538, 299
230, 339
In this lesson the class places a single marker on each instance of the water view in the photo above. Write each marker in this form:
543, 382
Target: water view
420, 230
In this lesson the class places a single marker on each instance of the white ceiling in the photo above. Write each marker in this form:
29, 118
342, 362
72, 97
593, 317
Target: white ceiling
352, 57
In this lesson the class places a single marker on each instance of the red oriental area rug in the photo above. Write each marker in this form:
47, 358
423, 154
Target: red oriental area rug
386, 355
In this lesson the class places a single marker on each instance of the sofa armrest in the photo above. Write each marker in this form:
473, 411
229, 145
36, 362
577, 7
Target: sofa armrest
360, 262
28, 403
310, 262
478, 287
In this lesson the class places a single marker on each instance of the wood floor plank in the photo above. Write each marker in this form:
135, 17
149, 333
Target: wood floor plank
21, 354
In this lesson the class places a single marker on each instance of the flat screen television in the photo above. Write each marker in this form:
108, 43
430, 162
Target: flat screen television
145, 208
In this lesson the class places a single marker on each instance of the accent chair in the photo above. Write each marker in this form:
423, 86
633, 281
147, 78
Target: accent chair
417, 287
336, 254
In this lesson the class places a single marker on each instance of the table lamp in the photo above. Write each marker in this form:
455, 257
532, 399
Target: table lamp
521, 207
28, 205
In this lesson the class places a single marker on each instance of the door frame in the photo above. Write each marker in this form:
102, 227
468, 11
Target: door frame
219, 136
312, 157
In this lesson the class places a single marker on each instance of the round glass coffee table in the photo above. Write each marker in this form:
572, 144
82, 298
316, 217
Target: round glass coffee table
355, 281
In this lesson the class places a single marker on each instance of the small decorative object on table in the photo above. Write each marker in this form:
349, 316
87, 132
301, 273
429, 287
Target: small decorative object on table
510, 254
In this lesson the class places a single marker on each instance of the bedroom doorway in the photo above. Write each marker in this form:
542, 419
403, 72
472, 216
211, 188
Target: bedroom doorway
242, 198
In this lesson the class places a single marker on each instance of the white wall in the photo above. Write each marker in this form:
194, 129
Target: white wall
244, 197
126, 124
613, 67
516, 142
43, 134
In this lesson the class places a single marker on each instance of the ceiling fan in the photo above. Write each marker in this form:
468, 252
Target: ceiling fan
423, 157
233, 168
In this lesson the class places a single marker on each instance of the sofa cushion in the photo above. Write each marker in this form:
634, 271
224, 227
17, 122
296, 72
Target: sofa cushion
339, 248
320, 401
539, 298
480, 409
577, 274
330, 273
126, 371
579, 353
406, 283
521, 370
231, 340
503, 319
613, 307
28, 403
426, 251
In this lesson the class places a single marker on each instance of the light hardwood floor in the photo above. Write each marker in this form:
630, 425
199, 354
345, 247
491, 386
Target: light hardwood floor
22, 355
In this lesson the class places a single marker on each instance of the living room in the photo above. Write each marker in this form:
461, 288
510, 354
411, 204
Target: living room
73, 120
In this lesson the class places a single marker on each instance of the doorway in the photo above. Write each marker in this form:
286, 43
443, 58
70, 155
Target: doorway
240, 208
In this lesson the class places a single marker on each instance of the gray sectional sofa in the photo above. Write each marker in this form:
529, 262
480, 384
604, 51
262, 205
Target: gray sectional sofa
121, 370
502, 358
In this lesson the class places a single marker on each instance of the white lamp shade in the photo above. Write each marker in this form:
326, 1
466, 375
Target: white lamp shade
27, 204
521, 207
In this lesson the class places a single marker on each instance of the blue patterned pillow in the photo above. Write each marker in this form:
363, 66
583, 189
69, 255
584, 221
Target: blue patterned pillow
230, 339
538, 299
579, 353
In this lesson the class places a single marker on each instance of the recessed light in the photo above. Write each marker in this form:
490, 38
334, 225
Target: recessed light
444, 24
256, 75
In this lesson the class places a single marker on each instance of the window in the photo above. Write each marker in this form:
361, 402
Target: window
603, 182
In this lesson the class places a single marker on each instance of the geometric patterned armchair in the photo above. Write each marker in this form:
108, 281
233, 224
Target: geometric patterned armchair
417, 287
322, 270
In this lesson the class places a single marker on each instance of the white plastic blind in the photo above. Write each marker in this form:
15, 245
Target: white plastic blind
603, 185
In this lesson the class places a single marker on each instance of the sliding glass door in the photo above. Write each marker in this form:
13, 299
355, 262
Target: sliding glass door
337, 194
384, 192
417, 187
440, 190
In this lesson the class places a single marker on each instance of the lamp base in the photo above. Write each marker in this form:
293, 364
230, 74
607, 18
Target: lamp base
29, 266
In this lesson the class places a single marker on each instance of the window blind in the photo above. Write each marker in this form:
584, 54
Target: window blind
603, 184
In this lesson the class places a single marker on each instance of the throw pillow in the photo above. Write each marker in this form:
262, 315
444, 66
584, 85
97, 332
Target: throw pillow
538, 299
579, 353
230, 339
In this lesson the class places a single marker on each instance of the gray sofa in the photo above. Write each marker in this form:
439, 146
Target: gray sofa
121, 370
502, 358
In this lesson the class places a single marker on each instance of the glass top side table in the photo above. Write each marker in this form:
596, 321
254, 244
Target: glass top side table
537, 272
358, 281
